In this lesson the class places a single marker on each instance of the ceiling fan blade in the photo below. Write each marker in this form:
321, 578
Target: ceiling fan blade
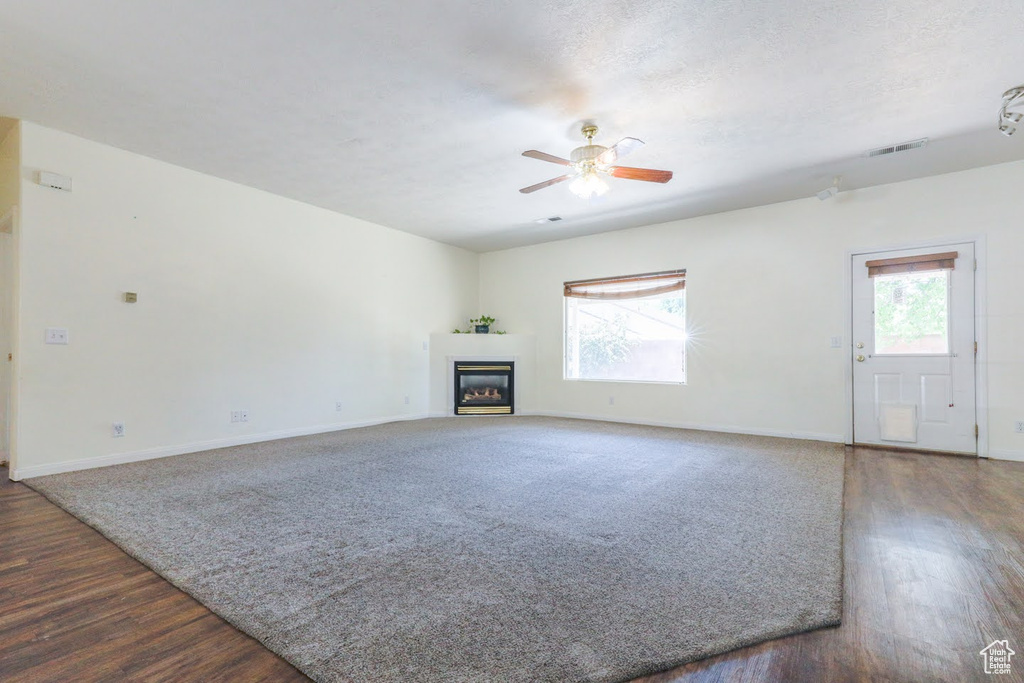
619, 149
648, 174
546, 183
544, 156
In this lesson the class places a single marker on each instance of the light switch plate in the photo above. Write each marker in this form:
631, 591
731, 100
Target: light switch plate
836, 342
56, 335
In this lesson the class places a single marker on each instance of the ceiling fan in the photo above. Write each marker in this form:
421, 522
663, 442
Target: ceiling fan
590, 162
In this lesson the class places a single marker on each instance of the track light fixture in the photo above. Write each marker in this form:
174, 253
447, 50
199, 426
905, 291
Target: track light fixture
1013, 99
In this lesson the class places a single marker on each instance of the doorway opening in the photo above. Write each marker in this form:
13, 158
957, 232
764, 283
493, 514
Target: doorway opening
913, 366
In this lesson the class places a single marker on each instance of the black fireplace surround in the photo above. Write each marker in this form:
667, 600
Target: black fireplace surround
484, 387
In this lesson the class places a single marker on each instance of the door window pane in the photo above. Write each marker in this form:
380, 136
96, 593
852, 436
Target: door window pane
912, 313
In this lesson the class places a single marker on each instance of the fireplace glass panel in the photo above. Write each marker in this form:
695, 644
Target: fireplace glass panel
484, 389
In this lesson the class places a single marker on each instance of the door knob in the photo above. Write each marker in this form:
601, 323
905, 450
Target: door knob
860, 359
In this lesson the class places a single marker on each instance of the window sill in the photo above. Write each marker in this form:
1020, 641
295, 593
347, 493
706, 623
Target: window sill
625, 381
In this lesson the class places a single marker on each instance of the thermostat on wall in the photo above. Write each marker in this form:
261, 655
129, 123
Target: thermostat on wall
55, 180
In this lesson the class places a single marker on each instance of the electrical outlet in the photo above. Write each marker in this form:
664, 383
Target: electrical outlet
337, 407
243, 415
426, 346
56, 335
1018, 426
117, 429
611, 400
407, 399
236, 416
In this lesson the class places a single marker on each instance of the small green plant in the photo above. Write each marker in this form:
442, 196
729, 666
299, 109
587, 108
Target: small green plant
482, 325
479, 325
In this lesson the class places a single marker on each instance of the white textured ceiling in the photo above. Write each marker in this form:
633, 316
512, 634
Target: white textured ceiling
414, 114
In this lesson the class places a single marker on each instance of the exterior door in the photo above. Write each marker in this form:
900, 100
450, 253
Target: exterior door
914, 349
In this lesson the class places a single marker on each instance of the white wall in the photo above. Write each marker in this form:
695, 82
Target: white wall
246, 300
251, 301
9, 189
765, 292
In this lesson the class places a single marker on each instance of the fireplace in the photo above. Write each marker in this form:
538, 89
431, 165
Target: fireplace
484, 387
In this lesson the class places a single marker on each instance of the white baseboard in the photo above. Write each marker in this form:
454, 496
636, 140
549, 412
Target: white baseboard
451, 413
728, 429
1006, 455
20, 473
165, 451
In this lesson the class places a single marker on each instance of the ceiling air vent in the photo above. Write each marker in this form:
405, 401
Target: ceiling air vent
893, 149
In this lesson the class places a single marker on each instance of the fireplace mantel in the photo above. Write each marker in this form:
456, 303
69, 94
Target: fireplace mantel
446, 349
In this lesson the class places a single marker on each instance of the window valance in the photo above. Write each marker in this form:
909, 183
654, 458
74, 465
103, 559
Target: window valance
627, 286
912, 264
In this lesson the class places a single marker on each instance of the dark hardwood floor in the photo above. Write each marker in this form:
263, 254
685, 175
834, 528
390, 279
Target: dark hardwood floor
74, 607
934, 550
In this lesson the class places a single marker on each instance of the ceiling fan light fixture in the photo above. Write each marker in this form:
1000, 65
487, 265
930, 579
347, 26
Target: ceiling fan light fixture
1008, 124
586, 153
589, 162
588, 185
1013, 99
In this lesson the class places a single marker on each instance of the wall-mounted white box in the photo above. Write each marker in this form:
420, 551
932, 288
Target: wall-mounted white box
55, 181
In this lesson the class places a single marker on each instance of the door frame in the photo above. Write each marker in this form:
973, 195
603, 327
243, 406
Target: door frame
11, 222
980, 326
8, 282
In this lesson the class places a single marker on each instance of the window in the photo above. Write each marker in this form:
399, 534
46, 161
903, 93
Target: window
629, 329
912, 313
912, 303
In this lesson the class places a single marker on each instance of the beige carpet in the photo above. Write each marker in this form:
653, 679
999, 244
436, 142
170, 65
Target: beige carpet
488, 549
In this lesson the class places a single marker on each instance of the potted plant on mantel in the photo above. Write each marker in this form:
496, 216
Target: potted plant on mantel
483, 324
